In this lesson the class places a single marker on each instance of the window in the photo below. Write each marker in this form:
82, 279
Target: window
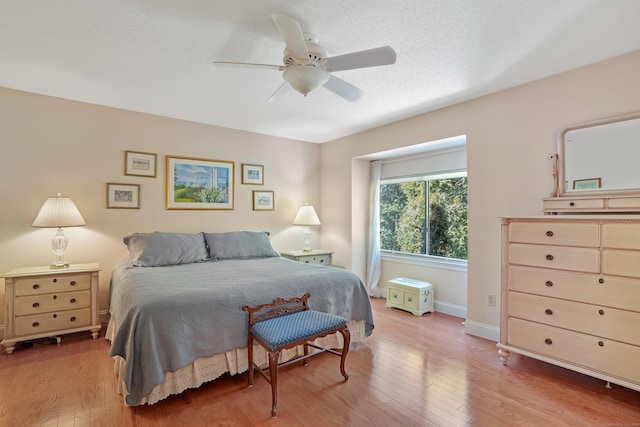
425, 215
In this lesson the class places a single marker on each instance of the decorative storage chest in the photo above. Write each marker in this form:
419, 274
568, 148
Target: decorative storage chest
42, 302
411, 295
571, 293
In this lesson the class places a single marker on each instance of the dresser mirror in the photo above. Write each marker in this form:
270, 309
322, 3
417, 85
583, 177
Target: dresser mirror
600, 158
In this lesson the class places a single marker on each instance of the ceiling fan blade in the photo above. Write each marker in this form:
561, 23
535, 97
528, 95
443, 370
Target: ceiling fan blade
343, 89
249, 64
362, 59
284, 88
292, 35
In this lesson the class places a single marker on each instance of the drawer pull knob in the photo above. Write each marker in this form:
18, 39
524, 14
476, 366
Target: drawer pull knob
572, 204
36, 286
549, 233
55, 297
395, 295
72, 300
548, 312
409, 298
601, 312
55, 280
548, 341
73, 283
601, 343
35, 324
36, 305
601, 280
73, 318
548, 283
549, 257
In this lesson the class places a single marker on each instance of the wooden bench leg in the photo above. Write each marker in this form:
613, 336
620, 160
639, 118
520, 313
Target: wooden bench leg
274, 356
250, 359
346, 335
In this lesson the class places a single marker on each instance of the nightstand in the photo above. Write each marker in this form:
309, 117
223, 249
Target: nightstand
42, 302
314, 256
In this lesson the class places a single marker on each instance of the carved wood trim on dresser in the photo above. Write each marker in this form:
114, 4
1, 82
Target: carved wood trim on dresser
570, 293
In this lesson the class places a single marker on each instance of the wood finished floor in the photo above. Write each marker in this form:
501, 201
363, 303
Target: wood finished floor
413, 371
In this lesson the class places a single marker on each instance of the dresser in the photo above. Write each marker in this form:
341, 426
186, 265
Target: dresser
314, 256
41, 302
570, 293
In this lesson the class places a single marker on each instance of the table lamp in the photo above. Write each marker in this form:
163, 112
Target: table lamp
306, 216
59, 212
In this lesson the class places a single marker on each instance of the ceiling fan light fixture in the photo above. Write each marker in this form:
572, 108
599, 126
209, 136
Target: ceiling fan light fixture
305, 78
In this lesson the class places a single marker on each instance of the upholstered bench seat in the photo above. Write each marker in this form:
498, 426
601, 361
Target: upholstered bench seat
287, 323
281, 331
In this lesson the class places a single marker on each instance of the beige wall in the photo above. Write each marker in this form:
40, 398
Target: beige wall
511, 136
51, 145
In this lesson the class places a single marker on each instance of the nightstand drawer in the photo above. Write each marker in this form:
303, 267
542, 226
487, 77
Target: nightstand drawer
53, 283
316, 259
52, 302
47, 322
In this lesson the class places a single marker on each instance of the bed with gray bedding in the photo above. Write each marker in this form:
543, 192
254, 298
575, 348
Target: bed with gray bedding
176, 304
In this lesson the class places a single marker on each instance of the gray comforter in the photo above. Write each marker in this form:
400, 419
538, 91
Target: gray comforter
167, 317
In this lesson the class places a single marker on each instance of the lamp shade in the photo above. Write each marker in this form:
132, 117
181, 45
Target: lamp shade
306, 216
59, 212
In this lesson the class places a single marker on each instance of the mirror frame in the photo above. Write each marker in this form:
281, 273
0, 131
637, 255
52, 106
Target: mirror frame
559, 169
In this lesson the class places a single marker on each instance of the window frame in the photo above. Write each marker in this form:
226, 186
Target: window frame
435, 261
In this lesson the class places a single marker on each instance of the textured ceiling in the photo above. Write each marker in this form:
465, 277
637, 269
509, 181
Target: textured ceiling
155, 56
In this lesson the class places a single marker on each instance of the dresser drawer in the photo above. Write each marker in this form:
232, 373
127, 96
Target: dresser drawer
606, 356
558, 257
592, 319
51, 302
555, 234
48, 322
573, 204
621, 263
621, 236
595, 289
53, 283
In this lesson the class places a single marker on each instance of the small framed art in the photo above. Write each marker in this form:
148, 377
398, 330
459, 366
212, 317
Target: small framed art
140, 164
194, 183
252, 174
586, 184
263, 201
123, 196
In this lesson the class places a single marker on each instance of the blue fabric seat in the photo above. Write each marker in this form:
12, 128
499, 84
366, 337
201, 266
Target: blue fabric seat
287, 323
281, 331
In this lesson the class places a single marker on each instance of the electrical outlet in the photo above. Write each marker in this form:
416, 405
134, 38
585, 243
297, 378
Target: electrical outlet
491, 300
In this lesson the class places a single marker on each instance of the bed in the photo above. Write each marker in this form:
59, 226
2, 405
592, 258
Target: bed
176, 318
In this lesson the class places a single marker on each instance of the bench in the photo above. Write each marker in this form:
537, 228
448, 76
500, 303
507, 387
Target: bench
287, 323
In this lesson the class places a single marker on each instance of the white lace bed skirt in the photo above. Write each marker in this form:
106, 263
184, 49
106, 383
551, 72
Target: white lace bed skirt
209, 368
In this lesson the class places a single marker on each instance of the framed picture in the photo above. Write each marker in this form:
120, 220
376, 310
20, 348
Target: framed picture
252, 174
586, 184
194, 183
123, 196
263, 201
139, 164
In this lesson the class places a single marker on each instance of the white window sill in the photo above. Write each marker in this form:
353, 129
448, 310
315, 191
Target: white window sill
425, 260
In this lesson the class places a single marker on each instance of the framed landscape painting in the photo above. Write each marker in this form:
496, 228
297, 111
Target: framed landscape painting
194, 183
263, 201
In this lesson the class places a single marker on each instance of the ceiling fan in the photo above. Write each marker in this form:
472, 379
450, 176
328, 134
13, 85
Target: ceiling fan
307, 65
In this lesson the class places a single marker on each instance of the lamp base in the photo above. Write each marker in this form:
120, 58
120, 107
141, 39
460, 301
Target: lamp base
59, 264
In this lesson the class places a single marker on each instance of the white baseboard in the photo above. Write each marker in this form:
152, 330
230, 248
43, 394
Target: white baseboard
450, 309
481, 330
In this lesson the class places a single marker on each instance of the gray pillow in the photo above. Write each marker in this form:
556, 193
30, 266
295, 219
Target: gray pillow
239, 245
160, 248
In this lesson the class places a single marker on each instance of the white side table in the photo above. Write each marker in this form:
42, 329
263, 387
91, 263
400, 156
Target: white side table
314, 256
42, 302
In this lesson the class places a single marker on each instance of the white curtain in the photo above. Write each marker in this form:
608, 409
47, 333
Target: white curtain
373, 253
